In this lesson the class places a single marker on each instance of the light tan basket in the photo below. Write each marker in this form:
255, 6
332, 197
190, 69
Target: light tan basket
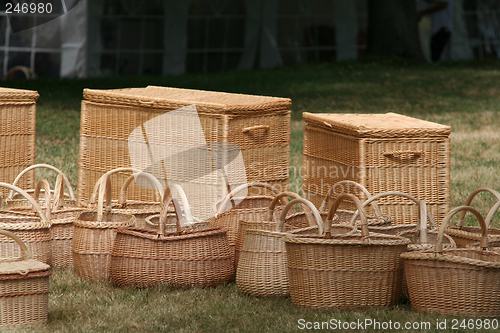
345, 271
345, 216
140, 209
183, 258
262, 268
24, 288
259, 125
95, 232
382, 152
465, 235
33, 230
17, 135
461, 282
16, 201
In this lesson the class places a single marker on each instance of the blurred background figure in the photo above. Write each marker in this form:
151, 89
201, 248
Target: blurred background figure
441, 13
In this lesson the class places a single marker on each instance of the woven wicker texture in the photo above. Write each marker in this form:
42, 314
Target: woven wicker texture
33, 229
94, 234
259, 125
345, 271
388, 152
463, 282
184, 258
17, 135
466, 235
24, 287
262, 270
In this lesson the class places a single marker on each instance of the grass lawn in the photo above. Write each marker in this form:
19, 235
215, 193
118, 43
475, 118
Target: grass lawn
465, 96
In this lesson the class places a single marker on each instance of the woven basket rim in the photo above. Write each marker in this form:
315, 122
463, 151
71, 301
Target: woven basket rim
171, 236
467, 232
104, 224
19, 226
448, 256
11, 94
348, 240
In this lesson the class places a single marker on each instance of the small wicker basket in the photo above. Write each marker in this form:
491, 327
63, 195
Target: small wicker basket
32, 229
24, 288
345, 271
461, 282
465, 235
184, 258
262, 268
95, 232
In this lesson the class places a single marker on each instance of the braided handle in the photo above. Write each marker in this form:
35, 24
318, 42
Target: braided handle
281, 221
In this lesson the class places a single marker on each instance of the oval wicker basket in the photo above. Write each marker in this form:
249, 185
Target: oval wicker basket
94, 234
183, 258
33, 230
24, 287
461, 282
345, 271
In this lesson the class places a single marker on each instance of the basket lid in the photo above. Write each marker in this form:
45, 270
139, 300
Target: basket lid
9, 94
174, 98
22, 267
376, 125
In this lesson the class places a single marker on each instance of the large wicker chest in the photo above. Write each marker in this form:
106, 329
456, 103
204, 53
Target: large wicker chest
258, 125
17, 135
383, 152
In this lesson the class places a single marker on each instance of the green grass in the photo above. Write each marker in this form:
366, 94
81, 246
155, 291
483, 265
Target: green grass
465, 96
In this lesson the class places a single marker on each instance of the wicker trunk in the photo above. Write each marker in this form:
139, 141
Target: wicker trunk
258, 125
382, 152
17, 135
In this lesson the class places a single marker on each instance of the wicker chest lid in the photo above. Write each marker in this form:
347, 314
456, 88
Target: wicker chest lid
172, 98
21, 95
377, 125
22, 267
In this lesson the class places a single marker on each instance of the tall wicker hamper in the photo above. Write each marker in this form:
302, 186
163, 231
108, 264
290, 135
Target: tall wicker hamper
259, 125
17, 135
24, 288
382, 152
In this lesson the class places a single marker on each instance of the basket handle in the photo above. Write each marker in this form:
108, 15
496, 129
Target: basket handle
430, 218
104, 185
331, 191
122, 199
25, 253
184, 200
47, 166
484, 228
236, 190
27, 197
314, 212
106, 175
255, 128
46, 187
283, 197
469, 199
492, 212
401, 153
167, 200
333, 209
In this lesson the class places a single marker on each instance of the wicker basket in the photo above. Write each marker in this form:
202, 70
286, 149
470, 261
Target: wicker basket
463, 282
24, 288
258, 125
345, 216
184, 258
32, 229
262, 268
382, 152
345, 271
17, 135
94, 234
252, 207
140, 209
465, 235
16, 201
